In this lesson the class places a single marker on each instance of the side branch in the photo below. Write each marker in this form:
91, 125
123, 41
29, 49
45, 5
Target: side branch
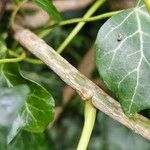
83, 86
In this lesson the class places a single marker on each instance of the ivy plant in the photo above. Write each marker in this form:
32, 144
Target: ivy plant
122, 57
28, 88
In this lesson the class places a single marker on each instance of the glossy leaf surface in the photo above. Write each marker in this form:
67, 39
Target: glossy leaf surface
123, 57
38, 110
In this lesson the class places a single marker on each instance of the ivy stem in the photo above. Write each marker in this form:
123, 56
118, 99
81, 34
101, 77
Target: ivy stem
77, 20
147, 3
79, 26
27, 59
13, 60
89, 120
13, 16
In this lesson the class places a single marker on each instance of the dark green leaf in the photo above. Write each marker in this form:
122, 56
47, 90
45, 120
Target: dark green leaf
49, 80
30, 141
24, 140
3, 49
48, 6
38, 111
123, 57
11, 100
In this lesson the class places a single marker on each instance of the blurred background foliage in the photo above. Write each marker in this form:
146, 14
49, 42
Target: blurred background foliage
65, 133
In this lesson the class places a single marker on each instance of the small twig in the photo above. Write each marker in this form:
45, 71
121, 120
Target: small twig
68, 91
26, 59
77, 20
80, 25
83, 86
88, 60
13, 16
13, 60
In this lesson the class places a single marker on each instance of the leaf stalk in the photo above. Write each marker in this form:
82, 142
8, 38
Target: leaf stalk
89, 115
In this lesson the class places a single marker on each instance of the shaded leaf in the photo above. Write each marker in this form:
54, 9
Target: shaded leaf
123, 57
38, 110
11, 100
30, 141
24, 140
50, 81
48, 6
3, 49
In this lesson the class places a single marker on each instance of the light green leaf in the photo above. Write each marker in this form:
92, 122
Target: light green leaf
48, 6
123, 57
38, 110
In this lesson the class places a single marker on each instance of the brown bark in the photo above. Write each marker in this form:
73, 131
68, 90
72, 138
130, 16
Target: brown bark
83, 86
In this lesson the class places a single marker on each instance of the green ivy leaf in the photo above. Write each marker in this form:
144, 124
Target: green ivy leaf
48, 6
11, 100
3, 49
123, 57
30, 141
24, 140
38, 110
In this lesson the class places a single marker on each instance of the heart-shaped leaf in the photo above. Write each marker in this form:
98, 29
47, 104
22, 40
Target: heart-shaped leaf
123, 57
38, 110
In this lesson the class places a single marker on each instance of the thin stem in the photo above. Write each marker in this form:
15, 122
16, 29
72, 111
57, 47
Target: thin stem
13, 16
147, 3
79, 26
77, 20
13, 60
89, 115
27, 59
33, 61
